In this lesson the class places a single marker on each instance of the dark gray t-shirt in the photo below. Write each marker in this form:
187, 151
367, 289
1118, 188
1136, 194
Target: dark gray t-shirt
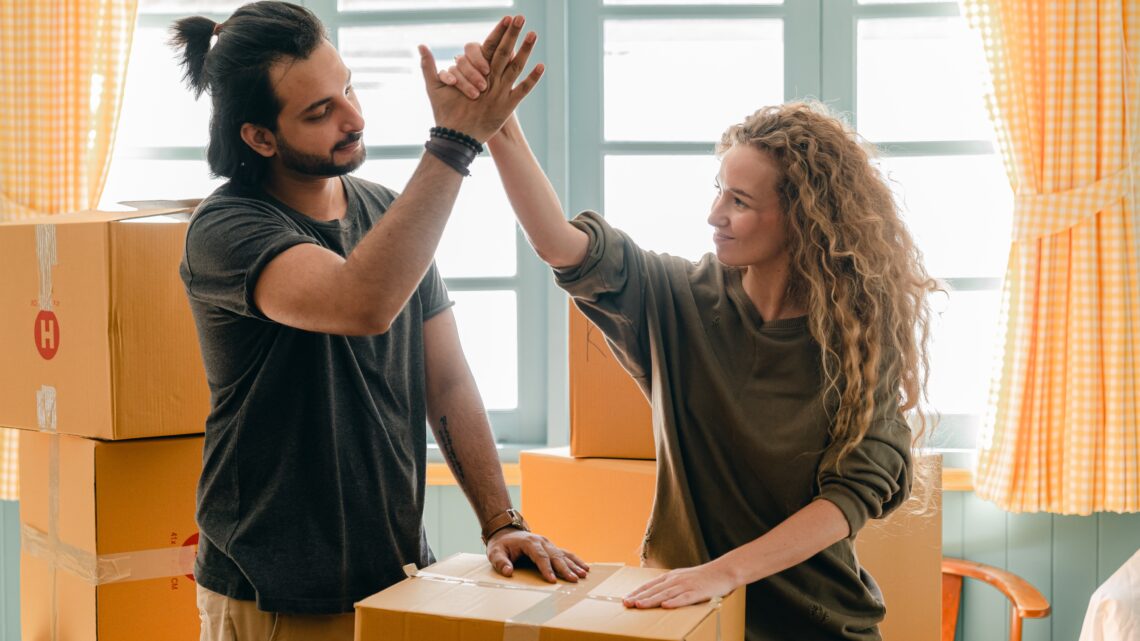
312, 489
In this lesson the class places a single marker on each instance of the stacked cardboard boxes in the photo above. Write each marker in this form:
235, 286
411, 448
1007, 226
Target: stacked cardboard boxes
594, 497
103, 374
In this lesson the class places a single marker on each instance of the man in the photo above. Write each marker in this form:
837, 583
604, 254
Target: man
327, 333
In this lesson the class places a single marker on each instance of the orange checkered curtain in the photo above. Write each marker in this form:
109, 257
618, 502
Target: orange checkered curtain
62, 66
1062, 432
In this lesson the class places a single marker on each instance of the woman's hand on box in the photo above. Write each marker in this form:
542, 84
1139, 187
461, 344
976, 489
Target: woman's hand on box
678, 588
508, 545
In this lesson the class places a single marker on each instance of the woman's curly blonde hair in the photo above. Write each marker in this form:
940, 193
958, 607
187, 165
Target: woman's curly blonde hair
854, 266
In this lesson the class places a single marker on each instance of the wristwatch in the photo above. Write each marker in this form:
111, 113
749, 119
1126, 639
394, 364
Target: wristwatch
510, 518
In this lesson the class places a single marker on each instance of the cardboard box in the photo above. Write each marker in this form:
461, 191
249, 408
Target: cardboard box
609, 416
95, 327
108, 538
566, 498
462, 598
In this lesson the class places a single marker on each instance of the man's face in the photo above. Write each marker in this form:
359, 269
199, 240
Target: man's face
320, 129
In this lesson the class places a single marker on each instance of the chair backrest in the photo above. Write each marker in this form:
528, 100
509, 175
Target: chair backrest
1026, 602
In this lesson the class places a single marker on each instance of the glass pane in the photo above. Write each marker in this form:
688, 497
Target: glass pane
488, 329
963, 348
479, 239
893, 1
134, 179
921, 79
661, 82
693, 2
386, 74
158, 110
189, 7
672, 220
959, 209
366, 5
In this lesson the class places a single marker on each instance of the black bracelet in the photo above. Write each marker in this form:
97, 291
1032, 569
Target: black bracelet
454, 154
457, 136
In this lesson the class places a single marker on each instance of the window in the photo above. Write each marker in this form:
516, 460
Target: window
645, 88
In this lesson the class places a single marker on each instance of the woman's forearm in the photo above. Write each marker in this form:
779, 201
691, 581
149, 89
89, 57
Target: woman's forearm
801, 536
554, 239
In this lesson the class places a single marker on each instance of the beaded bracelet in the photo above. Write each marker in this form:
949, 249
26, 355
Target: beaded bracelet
457, 136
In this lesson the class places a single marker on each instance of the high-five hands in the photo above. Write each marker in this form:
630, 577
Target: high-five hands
482, 113
470, 72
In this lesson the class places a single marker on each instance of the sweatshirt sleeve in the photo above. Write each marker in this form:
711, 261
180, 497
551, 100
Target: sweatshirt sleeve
875, 477
611, 286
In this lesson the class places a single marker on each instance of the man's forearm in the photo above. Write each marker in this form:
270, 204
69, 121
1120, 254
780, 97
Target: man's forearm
390, 261
464, 437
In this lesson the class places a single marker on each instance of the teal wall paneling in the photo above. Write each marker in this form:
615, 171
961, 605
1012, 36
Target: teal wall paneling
1029, 545
1074, 572
9, 570
984, 610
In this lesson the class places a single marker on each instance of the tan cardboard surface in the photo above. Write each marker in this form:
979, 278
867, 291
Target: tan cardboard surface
609, 416
127, 501
113, 353
463, 598
598, 508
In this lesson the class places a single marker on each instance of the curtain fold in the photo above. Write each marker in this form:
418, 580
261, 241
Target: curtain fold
62, 69
1062, 433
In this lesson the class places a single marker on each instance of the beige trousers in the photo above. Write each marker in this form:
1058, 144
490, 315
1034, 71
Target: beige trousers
226, 619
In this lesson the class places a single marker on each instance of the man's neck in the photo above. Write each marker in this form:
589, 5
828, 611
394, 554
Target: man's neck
319, 198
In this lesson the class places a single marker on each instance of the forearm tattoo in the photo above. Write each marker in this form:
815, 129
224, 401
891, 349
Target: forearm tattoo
449, 449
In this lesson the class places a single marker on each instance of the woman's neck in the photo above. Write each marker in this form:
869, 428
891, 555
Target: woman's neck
767, 288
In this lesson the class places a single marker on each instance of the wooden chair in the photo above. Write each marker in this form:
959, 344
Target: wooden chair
1025, 601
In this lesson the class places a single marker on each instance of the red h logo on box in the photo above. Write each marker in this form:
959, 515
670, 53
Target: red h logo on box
47, 334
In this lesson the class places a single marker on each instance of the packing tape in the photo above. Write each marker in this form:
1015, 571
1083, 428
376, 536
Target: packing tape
527, 625
102, 569
48, 257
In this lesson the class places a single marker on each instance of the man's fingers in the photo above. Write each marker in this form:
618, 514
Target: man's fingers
562, 569
541, 559
577, 561
465, 67
527, 85
428, 66
506, 48
518, 62
578, 570
488, 48
500, 561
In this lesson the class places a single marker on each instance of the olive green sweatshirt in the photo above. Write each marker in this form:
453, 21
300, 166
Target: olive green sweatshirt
741, 430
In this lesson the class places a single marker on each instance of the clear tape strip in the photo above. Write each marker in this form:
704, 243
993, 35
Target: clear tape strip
526, 625
47, 256
102, 569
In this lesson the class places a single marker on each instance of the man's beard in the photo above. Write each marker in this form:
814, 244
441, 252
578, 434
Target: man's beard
315, 165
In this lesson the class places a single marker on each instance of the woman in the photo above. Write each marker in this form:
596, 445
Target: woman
779, 368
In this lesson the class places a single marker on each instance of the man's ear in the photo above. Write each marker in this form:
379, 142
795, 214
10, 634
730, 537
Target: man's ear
259, 139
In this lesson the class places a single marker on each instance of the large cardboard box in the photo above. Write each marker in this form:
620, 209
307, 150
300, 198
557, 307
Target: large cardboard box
108, 538
609, 416
463, 598
598, 508
95, 327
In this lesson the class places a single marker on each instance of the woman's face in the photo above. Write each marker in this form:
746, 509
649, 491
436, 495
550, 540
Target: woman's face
748, 224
